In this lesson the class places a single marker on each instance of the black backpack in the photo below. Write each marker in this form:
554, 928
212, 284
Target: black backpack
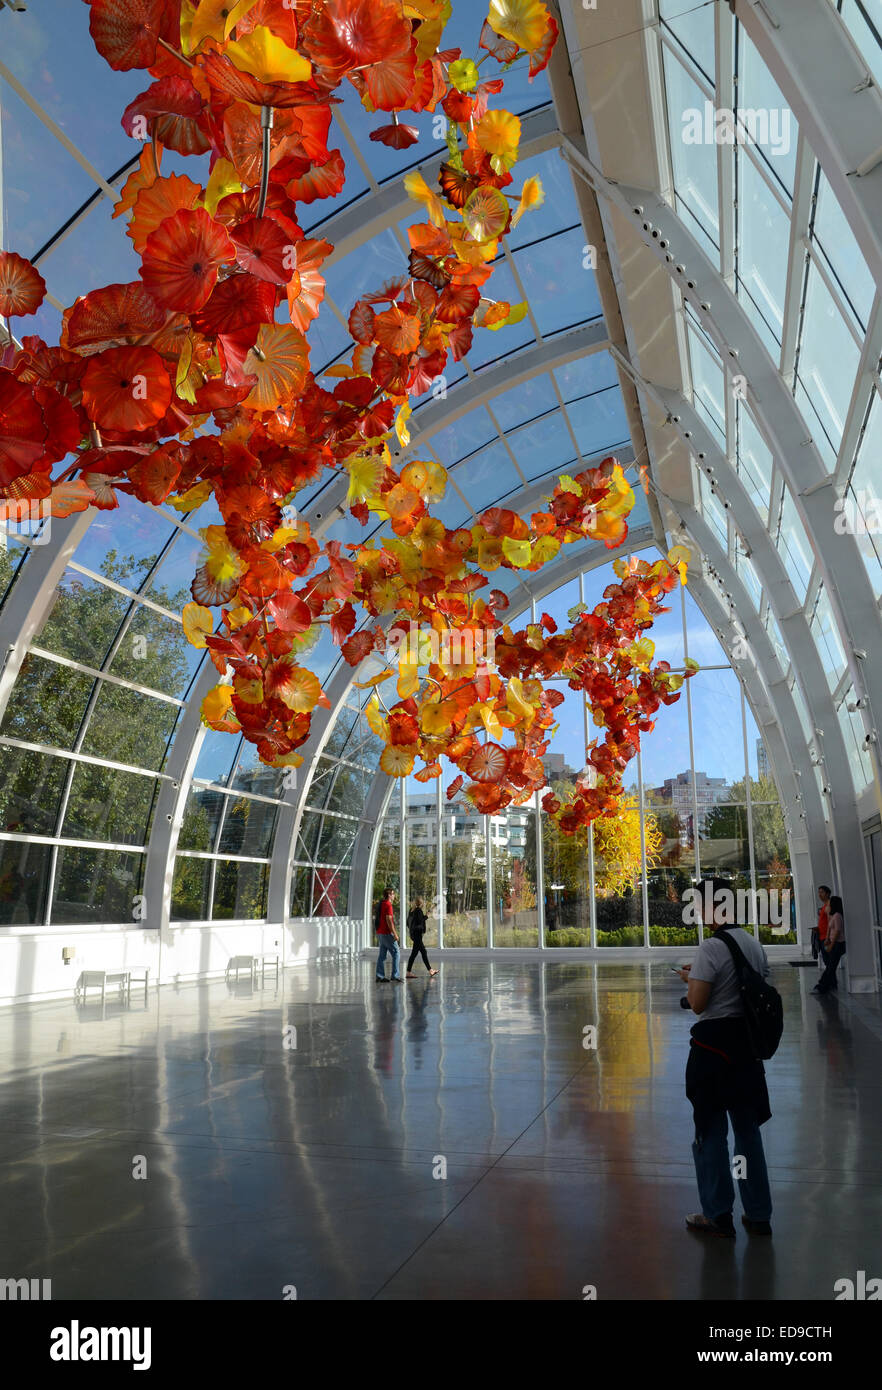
763, 1007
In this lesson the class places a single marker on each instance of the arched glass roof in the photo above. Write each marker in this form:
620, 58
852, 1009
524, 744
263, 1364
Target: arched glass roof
752, 400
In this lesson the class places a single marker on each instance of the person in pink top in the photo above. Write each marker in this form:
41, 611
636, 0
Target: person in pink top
387, 937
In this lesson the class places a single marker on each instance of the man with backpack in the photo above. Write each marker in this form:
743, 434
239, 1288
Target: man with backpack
739, 1023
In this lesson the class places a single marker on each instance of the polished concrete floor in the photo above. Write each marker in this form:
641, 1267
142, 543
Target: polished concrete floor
198, 1148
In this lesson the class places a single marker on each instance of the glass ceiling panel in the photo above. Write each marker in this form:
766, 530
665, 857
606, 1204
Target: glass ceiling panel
828, 360
864, 490
599, 421
559, 208
793, 544
487, 476
757, 91
465, 436
586, 374
754, 462
560, 289
763, 243
123, 544
709, 386
823, 626
543, 446
836, 240
524, 402
695, 165
694, 27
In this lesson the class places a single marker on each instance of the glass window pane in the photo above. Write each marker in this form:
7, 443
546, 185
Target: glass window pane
83, 620
694, 159
128, 727
215, 757
24, 876
708, 385
776, 130
30, 791
123, 545
793, 543
108, 805
754, 462
307, 836
154, 652
336, 840
826, 635
836, 240
300, 891
191, 888
240, 890
763, 242
559, 283
828, 359
695, 30
96, 885
422, 864
330, 893
202, 814
254, 776
515, 905
47, 703
248, 827
13, 555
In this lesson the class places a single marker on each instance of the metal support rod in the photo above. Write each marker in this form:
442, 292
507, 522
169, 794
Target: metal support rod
439, 861
592, 892
266, 125
688, 684
488, 873
643, 871
749, 799
540, 870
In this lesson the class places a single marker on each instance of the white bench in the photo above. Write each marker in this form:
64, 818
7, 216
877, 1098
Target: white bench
100, 979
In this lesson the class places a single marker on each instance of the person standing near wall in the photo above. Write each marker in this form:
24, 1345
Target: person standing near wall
820, 932
834, 946
387, 937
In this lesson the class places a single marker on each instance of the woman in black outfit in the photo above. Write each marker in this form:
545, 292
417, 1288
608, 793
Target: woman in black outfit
416, 925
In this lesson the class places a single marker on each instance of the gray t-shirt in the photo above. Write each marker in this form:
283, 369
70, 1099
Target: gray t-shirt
713, 963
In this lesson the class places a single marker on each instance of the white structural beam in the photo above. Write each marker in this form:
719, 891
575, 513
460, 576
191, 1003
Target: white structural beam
827, 84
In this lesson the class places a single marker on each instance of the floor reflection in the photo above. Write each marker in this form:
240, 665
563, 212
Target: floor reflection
455, 1137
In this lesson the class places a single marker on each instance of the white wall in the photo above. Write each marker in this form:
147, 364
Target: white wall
31, 966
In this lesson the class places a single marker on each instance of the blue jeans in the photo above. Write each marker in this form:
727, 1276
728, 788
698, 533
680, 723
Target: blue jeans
710, 1150
387, 943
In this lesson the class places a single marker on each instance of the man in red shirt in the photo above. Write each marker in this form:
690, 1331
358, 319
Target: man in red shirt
387, 936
